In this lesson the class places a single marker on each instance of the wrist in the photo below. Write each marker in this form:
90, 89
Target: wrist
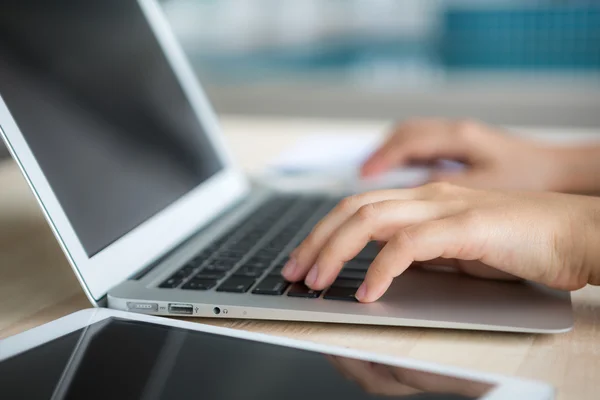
574, 169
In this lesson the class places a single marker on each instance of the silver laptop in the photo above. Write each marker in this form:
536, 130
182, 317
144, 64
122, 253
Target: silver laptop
103, 113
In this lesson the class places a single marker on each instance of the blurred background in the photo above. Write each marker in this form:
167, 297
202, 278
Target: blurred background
504, 61
527, 62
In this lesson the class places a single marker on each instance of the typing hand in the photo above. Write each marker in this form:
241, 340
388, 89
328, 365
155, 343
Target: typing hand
550, 238
493, 160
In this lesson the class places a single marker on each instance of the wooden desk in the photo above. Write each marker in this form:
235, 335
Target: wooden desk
37, 285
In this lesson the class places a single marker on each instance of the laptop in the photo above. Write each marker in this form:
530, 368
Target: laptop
110, 127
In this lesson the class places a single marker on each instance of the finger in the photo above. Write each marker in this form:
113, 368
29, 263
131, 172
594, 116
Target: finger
374, 221
373, 165
446, 238
305, 255
422, 141
398, 151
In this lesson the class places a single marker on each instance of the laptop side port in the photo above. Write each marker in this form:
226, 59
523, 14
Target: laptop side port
183, 309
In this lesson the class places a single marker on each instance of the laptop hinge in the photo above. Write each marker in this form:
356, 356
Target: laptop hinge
102, 302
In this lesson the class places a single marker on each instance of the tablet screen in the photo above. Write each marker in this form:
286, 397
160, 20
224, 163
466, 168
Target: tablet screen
124, 359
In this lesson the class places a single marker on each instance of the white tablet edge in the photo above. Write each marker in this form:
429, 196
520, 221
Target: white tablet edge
506, 387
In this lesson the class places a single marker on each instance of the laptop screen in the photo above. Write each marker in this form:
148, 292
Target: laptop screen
102, 111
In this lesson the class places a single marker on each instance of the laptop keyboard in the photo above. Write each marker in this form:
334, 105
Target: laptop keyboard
250, 256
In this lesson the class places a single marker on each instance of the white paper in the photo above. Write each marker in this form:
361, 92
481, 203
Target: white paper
323, 152
332, 162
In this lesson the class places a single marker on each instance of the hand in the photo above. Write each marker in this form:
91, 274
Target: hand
494, 160
388, 380
549, 238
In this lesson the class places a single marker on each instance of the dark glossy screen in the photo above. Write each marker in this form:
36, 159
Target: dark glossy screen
102, 111
121, 359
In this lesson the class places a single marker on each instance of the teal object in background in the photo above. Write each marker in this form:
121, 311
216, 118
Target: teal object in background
551, 37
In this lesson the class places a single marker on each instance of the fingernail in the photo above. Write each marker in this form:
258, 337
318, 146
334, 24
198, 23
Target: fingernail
289, 268
361, 293
311, 278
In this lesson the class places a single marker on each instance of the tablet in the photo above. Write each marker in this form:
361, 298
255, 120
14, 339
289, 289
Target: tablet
108, 354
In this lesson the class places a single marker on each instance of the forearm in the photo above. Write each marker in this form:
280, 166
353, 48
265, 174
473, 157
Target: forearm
577, 169
591, 240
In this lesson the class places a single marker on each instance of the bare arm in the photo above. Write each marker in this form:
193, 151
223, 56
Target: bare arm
578, 169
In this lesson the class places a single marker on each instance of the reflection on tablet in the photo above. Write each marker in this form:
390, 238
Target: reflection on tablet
123, 359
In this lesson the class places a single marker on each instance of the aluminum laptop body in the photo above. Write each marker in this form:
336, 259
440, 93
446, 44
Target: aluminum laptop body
105, 117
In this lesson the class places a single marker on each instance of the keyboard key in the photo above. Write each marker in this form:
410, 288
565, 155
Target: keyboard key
184, 272
280, 243
301, 290
211, 248
206, 252
256, 233
338, 293
200, 284
226, 259
261, 259
273, 286
267, 253
218, 267
262, 264
245, 246
347, 283
197, 261
357, 265
282, 262
276, 271
171, 283
209, 251
350, 274
369, 252
251, 272
236, 284
231, 243
209, 274
231, 253
275, 249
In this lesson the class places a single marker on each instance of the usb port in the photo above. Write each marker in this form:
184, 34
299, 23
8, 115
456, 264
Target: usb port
185, 309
